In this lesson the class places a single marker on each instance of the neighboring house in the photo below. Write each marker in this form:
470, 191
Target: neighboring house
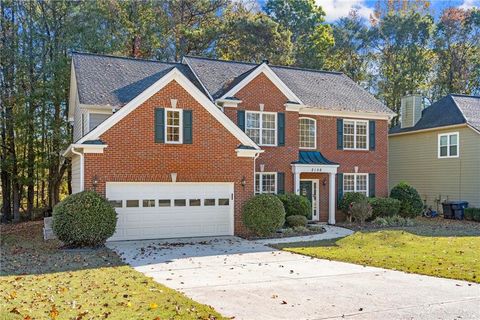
179, 147
437, 149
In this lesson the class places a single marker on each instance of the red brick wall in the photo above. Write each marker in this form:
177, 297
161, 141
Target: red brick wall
132, 154
278, 159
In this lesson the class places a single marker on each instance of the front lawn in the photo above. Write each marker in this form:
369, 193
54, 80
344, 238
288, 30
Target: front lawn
40, 281
441, 256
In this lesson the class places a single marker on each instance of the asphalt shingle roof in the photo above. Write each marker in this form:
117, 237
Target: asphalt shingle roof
110, 80
320, 89
450, 110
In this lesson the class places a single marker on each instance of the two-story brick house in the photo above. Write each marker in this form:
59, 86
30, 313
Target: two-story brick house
179, 147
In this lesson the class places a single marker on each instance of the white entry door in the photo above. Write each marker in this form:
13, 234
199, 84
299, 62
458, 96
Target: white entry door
170, 210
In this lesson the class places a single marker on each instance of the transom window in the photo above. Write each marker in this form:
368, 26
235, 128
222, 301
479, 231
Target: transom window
261, 127
448, 145
308, 133
173, 126
355, 182
355, 134
266, 183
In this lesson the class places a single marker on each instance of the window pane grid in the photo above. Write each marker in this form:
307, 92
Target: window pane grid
173, 126
265, 183
307, 133
261, 127
355, 135
448, 145
353, 182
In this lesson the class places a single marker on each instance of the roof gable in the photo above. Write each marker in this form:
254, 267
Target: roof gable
314, 88
180, 78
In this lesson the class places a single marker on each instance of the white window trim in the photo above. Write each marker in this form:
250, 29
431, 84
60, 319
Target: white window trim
355, 182
180, 134
448, 134
355, 121
315, 134
261, 182
261, 113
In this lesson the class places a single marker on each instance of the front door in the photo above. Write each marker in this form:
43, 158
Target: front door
309, 189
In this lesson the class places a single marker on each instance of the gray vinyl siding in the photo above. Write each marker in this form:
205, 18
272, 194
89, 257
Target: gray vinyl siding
75, 174
95, 119
413, 158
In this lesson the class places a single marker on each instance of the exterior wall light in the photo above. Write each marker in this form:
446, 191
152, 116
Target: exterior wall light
243, 182
173, 175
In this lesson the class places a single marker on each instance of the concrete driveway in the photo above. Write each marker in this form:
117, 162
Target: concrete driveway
249, 280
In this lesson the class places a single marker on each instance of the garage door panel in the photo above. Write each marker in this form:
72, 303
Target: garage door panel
152, 219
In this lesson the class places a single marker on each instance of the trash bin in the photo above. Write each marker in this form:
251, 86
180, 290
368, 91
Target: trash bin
454, 209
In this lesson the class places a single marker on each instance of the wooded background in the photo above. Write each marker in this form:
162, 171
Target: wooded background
401, 49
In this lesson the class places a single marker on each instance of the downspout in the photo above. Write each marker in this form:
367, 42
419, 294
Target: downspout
254, 172
81, 167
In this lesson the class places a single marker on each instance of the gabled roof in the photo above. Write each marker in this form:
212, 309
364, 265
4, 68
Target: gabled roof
451, 110
110, 80
175, 74
318, 89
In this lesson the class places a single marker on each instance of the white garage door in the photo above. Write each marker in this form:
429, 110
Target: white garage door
170, 210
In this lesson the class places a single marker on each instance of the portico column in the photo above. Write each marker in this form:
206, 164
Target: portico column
331, 198
296, 182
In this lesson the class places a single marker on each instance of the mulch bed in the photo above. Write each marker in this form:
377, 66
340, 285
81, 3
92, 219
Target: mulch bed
280, 234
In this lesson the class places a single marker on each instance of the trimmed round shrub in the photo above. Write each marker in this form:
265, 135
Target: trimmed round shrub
297, 221
295, 204
411, 205
349, 198
384, 207
84, 219
263, 214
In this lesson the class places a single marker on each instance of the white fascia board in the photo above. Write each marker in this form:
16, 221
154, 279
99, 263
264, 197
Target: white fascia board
431, 129
228, 103
173, 75
306, 110
270, 75
86, 148
248, 153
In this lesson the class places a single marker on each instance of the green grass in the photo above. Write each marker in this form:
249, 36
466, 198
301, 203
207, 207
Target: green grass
40, 281
448, 257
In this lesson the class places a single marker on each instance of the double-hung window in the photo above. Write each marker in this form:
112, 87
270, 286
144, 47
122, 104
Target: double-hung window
308, 133
448, 145
266, 183
355, 182
261, 127
173, 126
355, 134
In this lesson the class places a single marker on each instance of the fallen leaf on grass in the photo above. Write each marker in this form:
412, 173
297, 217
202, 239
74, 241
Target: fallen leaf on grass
153, 306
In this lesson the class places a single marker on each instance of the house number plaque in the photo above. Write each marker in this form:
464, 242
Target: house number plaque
316, 170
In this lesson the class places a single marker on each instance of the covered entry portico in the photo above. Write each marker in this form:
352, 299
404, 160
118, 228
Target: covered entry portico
316, 166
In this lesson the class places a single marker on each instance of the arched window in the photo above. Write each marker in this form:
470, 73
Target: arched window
308, 133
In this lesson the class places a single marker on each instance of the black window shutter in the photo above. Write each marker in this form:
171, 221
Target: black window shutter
339, 188
340, 134
159, 125
241, 119
281, 128
371, 130
280, 182
371, 185
187, 126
